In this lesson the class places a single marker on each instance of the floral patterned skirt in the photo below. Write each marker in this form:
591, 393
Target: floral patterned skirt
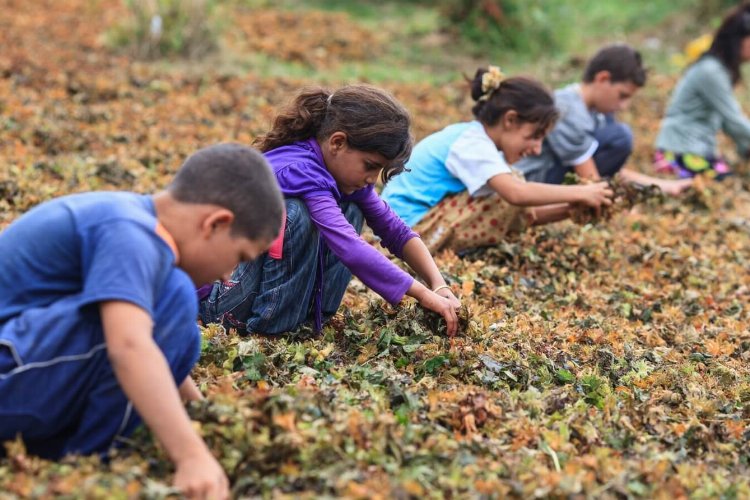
460, 222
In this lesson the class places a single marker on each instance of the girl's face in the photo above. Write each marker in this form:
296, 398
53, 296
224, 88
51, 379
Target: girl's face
745, 49
352, 169
517, 139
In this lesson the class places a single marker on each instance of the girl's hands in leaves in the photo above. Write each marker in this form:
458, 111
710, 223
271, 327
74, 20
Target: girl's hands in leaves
448, 294
443, 306
596, 194
201, 477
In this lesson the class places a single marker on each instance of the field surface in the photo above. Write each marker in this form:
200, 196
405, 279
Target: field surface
608, 359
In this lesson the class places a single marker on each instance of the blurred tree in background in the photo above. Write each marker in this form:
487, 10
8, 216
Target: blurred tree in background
495, 28
158, 28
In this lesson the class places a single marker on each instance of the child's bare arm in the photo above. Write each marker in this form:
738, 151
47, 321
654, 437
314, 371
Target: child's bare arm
437, 303
145, 377
533, 194
672, 187
550, 213
418, 257
587, 170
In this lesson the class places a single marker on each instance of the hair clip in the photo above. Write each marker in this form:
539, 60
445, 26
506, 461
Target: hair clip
491, 80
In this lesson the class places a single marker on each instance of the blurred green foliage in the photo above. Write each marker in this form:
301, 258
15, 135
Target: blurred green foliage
547, 27
158, 28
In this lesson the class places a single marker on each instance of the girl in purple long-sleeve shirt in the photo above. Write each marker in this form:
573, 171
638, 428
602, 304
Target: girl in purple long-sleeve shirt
327, 151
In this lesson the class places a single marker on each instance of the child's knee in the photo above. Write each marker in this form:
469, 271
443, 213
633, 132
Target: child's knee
297, 217
618, 138
274, 325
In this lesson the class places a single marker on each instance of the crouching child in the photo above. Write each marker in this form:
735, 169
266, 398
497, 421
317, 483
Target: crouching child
98, 311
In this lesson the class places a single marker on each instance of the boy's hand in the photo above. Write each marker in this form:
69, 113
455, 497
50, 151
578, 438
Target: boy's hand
189, 391
200, 476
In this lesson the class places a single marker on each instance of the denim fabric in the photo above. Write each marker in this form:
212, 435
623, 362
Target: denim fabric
273, 296
615, 145
65, 398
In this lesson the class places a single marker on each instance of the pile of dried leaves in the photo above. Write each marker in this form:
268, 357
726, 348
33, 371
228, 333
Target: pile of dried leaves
606, 359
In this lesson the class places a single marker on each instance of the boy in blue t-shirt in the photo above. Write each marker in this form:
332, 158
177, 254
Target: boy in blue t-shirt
98, 311
587, 139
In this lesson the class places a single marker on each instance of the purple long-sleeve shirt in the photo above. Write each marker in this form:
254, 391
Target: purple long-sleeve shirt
301, 173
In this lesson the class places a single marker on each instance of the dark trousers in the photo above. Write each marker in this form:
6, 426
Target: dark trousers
57, 387
273, 296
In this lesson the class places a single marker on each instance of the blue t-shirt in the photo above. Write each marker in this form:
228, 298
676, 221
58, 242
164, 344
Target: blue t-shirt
86, 248
459, 157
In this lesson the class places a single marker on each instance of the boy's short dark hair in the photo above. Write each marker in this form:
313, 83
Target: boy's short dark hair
623, 63
237, 178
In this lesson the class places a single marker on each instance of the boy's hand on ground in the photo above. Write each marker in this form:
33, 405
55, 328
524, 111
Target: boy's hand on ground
596, 194
201, 477
189, 391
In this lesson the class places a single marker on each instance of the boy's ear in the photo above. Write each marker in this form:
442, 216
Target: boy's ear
217, 219
603, 76
337, 141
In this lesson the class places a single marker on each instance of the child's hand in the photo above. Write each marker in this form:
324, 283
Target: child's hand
596, 194
189, 391
448, 294
201, 477
444, 307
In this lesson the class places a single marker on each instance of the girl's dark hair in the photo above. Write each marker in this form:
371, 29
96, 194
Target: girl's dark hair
526, 96
727, 43
372, 119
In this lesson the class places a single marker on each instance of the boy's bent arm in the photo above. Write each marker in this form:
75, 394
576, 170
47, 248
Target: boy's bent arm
587, 170
146, 379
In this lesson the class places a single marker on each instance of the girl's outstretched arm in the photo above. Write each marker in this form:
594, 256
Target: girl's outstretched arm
671, 187
532, 194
